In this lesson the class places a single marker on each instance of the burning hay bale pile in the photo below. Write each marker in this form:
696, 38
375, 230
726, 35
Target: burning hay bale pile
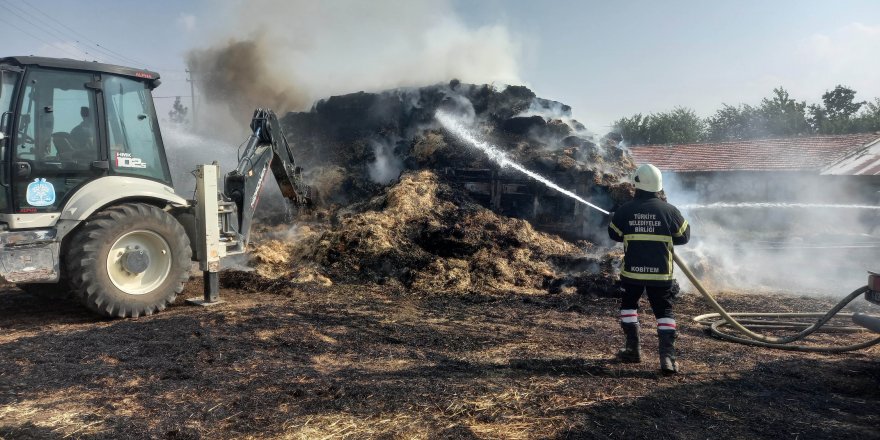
403, 203
353, 145
423, 234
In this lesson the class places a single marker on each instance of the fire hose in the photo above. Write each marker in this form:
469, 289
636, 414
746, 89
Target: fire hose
714, 322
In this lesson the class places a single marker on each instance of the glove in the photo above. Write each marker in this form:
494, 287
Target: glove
674, 290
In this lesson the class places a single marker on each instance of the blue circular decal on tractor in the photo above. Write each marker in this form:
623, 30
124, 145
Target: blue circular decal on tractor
40, 193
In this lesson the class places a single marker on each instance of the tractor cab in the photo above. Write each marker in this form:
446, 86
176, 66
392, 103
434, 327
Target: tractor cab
84, 178
66, 123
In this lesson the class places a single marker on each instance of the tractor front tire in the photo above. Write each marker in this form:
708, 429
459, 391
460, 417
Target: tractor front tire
128, 260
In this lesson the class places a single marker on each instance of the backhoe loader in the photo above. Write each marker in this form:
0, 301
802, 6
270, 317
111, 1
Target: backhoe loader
86, 200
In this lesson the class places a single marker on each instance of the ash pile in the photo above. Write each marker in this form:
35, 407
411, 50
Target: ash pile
401, 202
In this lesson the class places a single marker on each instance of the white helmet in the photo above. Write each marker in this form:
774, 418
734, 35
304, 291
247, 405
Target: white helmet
648, 178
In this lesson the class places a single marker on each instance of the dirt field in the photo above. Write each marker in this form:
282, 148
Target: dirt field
363, 362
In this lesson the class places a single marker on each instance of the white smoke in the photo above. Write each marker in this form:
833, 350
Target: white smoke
757, 233
551, 110
185, 150
387, 166
290, 53
285, 55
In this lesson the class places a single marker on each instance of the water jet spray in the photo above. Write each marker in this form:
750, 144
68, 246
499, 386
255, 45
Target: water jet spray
758, 205
453, 125
713, 321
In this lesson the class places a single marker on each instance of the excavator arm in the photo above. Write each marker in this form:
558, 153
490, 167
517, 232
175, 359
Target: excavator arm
267, 150
223, 220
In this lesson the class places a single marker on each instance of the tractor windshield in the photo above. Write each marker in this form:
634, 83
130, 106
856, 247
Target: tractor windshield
133, 131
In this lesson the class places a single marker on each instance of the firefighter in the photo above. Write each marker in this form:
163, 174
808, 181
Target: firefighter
648, 228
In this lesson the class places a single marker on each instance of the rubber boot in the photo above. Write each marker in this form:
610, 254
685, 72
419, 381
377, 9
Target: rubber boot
668, 366
630, 353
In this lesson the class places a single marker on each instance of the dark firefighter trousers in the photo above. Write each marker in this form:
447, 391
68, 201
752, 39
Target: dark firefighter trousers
661, 299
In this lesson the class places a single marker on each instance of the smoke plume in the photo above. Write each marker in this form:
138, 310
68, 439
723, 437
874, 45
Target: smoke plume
239, 74
287, 54
797, 234
387, 165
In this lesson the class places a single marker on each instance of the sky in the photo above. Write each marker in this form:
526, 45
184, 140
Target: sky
605, 59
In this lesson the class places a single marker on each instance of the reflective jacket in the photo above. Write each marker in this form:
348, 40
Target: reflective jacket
648, 228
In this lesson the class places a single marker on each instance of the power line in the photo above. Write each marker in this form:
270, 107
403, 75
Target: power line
133, 61
80, 35
43, 28
98, 51
77, 48
25, 31
103, 50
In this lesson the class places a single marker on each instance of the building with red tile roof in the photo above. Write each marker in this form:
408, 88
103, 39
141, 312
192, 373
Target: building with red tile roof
827, 169
814, 153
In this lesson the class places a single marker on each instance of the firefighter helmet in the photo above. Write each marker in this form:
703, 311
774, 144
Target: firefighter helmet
648, 178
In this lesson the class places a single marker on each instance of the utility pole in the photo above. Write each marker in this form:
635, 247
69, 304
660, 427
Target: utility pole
192, 95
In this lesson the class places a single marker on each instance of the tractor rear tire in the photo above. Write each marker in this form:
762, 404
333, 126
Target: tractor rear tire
100, 268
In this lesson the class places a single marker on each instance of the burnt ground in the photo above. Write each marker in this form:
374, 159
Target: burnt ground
352, 361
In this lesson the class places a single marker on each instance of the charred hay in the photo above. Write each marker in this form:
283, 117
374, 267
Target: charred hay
425, 234
352, 361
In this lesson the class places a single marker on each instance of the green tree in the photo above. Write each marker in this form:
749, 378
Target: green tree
633, 129
836, 114
782, 116
777, 116
679, 126
840, 102
731, 123
178, 112
869, 119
